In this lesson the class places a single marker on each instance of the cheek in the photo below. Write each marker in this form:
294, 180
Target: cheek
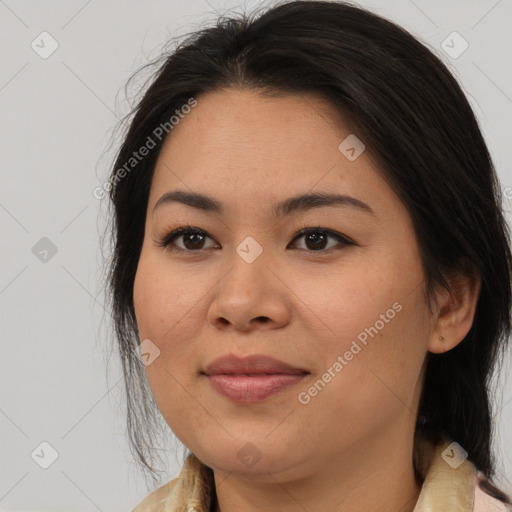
341, 304
144, 288
167, 306
165, 302
164, 315
374, 384
374, 318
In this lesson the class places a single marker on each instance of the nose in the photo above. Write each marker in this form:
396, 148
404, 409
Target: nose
249, 296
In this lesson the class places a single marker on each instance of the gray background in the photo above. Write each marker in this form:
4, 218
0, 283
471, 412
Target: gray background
56, 117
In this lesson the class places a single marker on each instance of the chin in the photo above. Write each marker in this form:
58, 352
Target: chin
246, 458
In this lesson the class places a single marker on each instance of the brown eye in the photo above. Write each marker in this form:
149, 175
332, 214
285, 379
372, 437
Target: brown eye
192, 239
316, 239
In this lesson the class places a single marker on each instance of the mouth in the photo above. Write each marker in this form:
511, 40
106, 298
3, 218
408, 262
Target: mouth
251, 379
253, 387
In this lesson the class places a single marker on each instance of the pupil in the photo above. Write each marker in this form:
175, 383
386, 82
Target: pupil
191, 237
315, 238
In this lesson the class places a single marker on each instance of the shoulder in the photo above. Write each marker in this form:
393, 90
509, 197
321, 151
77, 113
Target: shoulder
451, 481
191, 490
484, 502
155, 502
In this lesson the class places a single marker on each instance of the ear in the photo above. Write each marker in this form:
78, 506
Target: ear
455, 313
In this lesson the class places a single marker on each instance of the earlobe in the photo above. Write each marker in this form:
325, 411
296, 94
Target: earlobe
456, 313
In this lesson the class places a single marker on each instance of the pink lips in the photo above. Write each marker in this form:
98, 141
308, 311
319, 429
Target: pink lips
252, 378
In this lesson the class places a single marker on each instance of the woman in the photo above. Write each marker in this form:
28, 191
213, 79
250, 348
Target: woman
311, 269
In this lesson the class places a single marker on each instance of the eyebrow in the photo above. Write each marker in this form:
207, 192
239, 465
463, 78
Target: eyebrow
297, 204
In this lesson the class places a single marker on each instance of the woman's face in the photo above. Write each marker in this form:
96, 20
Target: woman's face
350, 315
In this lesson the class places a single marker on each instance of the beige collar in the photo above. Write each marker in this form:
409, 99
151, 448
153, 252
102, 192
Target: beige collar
446, 485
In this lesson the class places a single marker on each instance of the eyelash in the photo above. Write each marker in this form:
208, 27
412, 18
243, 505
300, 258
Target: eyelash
167, 239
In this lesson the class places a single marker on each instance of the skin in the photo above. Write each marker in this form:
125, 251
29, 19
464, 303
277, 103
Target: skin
350, 448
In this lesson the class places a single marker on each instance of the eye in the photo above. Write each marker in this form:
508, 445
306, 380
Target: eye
193, 239
315, 239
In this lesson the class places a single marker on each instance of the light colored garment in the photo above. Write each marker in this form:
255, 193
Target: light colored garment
447, 487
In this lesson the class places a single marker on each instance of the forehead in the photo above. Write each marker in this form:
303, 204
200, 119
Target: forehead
244, 123
240, 144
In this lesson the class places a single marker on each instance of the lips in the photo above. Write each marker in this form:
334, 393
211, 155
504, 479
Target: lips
252, 378
251, 365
